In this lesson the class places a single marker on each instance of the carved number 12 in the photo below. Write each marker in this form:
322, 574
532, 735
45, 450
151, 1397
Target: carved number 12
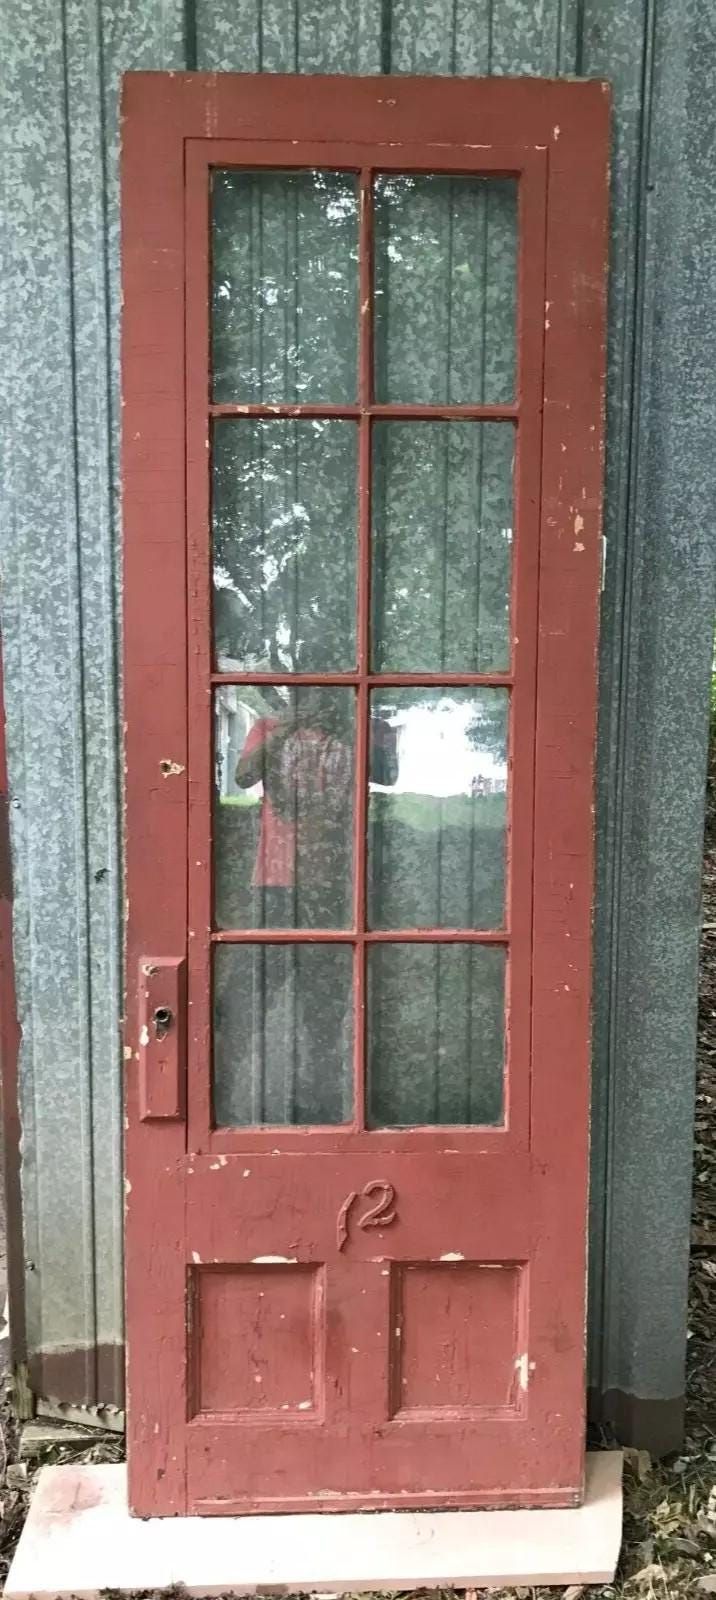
379, 1215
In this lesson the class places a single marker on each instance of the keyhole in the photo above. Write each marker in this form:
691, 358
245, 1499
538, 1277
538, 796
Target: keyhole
162, 1020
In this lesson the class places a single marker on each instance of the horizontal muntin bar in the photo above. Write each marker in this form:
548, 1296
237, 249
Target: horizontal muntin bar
353, 413
350, 936
374, 680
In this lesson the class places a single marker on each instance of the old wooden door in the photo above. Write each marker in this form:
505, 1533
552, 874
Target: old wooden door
363, 362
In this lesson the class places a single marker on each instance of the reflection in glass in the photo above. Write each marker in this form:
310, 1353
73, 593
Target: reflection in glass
284, 251
436, 841
283, 840
283, 1034
445, 289
442, 539
284, 545
435, 1034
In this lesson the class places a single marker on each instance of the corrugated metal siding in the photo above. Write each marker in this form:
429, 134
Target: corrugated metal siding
59, 551
59, 543
656, 659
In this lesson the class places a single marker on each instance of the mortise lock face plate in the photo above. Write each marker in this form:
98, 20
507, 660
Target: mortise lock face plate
162, 1037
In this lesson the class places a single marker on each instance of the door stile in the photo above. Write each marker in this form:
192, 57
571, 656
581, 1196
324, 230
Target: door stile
566, 724
200, 655
523, 635
153, 470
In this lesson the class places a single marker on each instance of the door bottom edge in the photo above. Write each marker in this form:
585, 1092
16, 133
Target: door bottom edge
569, 1498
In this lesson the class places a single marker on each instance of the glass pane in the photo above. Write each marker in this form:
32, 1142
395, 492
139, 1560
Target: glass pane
435, 1034
284, 545
436, 844
283, 835
442, 540
283, 1034
284, 249
445, 289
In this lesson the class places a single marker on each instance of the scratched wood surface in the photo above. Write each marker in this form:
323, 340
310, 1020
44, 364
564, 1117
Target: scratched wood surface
156, 759
342, 1318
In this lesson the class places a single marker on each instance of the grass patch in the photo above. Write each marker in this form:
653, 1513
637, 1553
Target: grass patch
242, 802
427, 813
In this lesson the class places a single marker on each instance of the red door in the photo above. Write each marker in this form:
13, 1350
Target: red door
363, 367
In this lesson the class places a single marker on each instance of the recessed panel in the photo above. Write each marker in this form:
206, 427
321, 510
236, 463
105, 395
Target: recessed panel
257, 1339
457, 1335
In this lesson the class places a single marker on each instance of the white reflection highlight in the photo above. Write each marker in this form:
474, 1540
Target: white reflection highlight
442, 750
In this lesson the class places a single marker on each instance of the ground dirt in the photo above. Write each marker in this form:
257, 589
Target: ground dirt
669, 1548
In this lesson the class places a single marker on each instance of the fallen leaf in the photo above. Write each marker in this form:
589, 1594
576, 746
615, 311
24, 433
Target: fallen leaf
640, 1463
643, 1553
686, 1547
707, 1585
668, 1518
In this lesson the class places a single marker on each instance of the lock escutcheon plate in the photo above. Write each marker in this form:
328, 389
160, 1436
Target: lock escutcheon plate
162, 1042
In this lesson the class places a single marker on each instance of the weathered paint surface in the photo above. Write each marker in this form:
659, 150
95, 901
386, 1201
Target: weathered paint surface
405, 1406
59, 540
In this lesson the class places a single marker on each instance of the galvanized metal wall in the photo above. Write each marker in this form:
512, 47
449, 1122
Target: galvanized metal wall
59, 541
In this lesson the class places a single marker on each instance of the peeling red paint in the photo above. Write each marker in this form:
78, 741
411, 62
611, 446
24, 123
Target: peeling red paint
417, 1376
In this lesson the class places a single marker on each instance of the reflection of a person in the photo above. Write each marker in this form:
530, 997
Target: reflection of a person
303, 757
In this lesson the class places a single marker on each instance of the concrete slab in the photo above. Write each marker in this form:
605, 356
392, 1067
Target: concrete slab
80, 1540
